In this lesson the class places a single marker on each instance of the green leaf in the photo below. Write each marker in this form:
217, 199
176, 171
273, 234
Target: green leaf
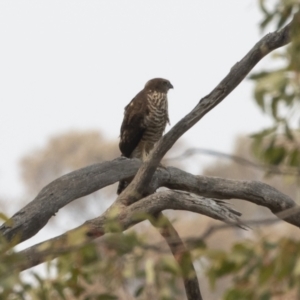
297, 267
294, 158
266, 272
262, 7
106, 297
285, 14
274, 106
237, 294
264, 133
268, 245
288, 132
139, 291
275, 155
259, 75
3, 217
265, 296
169, 264
60, 289
266, 21
259, 97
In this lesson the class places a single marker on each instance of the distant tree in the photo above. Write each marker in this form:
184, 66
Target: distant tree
64, 153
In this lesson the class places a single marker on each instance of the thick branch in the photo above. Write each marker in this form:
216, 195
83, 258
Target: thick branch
253, 191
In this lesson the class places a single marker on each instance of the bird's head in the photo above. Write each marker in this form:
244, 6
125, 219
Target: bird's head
159, 85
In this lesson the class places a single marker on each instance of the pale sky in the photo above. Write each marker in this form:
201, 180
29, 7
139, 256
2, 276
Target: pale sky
69, 64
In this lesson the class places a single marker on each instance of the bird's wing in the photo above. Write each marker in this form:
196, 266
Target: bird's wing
134, 123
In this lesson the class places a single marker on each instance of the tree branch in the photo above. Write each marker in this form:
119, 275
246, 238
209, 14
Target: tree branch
292, 171
181, 255
126, 218
253, 191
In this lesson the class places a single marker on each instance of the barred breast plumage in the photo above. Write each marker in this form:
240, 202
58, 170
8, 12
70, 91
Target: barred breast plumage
157, 118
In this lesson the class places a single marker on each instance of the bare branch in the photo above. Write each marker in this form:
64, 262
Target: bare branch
253, 191
292, 171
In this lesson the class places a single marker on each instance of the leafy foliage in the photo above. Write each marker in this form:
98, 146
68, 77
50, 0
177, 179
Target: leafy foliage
122, 265
277, 92
279, 12
260, 270
112, 269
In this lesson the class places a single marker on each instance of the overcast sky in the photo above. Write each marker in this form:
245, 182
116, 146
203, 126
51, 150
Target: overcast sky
75, 64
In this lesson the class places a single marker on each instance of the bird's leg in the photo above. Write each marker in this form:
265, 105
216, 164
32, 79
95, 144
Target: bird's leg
145, 154
162, 166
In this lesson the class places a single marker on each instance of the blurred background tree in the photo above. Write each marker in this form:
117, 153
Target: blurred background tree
64, 153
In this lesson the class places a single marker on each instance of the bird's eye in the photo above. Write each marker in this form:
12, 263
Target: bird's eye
165, 82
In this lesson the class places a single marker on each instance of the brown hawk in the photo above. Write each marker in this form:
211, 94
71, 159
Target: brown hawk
145, 119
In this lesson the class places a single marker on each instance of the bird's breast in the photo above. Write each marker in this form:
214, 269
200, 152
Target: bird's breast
158, 116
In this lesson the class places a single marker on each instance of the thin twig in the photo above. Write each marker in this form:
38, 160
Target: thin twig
238, 159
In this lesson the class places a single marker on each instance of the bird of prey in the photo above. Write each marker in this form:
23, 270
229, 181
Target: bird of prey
145, 119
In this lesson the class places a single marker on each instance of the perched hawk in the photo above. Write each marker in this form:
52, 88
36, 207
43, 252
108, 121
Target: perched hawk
145, 119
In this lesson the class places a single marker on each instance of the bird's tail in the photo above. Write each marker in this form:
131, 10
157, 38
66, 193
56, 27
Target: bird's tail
122, 186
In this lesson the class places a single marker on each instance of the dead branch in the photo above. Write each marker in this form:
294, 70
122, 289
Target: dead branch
292, 171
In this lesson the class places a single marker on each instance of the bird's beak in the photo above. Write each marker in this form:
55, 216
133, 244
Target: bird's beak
171, 86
